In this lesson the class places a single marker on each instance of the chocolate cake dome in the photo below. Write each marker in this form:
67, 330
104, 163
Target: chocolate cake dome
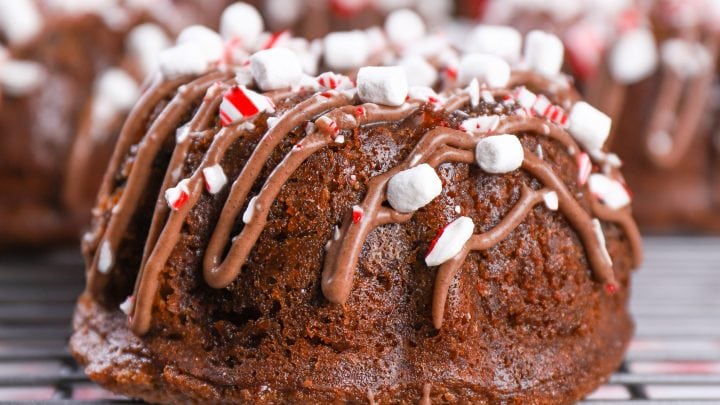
267, 236
651, 66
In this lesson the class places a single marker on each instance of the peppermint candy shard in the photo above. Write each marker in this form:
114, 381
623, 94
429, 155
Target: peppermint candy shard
177, 196
215, 178
239, 102
449, 241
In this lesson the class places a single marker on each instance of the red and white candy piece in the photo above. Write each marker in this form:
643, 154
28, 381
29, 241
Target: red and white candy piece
585, 44
215, 178
386, 85
413, 188
275, 68
346, 50
488, 69
498, 40
403, 27
610, 191
634, 56
589, 126
357, 214
128, 305
241, 21
239, 102
335, 81
597, 228
423, 93
105, 258
450, 241
544, 53
177, 196
584, 168
481, 124
20, 20
499, 153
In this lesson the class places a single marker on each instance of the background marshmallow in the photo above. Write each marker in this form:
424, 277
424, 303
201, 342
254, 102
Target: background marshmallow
544, 52
503, 42
207, 40
275, 68
184, 59
488, 69
144, 42
20, 20
243, 21
382, 85
404, 27
18, 77
634, 56
413, 188
346, 50
499, 153
589, 126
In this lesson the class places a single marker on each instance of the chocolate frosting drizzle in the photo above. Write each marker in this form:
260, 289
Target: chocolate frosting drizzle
437, 146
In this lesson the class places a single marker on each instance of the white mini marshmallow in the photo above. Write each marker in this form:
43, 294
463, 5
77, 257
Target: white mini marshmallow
488, 69
385, 85
404, 27
481, 124
551, 200
243, 21
451, 241
413, 188
501, 41
346, 50
283, 13
544, 53
118, 88
20, 20
685, 58
634, 56
215, 178
18, 78
105, 258
210, 41
184, 59
276, 68
419, 72
499, 153
610, 191
589, 126
144, 42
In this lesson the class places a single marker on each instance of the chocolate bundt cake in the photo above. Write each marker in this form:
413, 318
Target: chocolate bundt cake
265, 236
651, 66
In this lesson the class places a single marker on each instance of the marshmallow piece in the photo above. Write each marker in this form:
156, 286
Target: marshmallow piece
544, 53
413, 188
215, 178
385, 85
242, 21
177, 196
209, 41
144, 42
275, 68
634, 56
685, 58
105, 258
501, 41
481, 124
419, 72
118, 89
488, 69
346, 50
239, 102
499, 153
184, 59
589, 126
18, 78
404, 27
551, 200
610, 191
450, 241
20, 20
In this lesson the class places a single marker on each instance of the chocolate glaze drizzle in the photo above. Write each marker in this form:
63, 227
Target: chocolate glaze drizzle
437, 146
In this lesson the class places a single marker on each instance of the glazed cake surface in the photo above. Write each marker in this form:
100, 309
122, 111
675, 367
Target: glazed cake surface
267, 236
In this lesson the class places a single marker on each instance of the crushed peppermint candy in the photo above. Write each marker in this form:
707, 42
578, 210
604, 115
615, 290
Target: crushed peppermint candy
413, 188
551, 200
239, 102
597, 229
449, 241
357, 214
584, 168
481, 123
177, 196
128, 305
215, 178
473, 90
610, 191
250, 210
499, 153
335, 81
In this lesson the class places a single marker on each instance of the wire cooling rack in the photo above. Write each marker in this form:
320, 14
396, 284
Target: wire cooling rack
674, 358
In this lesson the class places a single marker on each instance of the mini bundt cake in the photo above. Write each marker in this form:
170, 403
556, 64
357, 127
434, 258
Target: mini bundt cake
263, 236
652, 67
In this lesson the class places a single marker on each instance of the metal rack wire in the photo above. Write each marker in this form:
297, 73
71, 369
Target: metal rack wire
674, 359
